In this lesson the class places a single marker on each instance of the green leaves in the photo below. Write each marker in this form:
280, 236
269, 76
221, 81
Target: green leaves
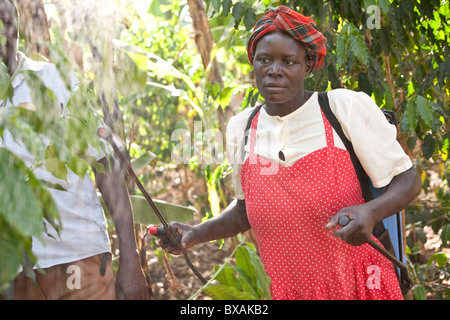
238, 13
132, 74
424, 110
445, 235
247, 280
436, 267
439, 257
143, 212
12, 244
350, 38
24, 203
420, 293
145, 159
18, 214
6, 89
410, 116
419, 117
240, 10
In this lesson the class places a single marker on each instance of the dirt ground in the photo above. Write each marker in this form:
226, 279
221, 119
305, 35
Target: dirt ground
177, 281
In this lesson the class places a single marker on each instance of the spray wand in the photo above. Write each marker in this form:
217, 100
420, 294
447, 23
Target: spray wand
166, 232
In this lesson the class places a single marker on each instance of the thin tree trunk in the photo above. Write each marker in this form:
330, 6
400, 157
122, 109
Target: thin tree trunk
205, 43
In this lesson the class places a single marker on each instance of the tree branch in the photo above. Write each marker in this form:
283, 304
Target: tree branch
389, 80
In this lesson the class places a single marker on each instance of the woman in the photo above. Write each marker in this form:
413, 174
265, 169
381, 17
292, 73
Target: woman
297, 179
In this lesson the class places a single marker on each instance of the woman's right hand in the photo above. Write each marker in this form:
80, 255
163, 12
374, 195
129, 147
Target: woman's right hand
230, 222
187, 234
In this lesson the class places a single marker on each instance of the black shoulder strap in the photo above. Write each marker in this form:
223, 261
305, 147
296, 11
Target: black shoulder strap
362, 176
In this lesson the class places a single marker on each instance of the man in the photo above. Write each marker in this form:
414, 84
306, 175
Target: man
82, 249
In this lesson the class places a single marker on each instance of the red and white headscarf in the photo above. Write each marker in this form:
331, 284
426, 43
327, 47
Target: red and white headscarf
300, 27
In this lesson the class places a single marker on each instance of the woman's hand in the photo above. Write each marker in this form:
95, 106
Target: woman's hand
187, 234
358, 231
229, 223
398, 194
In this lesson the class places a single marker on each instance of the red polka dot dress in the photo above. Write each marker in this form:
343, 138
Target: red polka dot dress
288, 209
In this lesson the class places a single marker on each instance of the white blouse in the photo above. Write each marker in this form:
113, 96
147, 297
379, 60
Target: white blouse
302, 132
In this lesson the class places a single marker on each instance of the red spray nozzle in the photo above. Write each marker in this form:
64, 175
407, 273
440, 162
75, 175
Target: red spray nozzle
152, 229
161, 233
158, 232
